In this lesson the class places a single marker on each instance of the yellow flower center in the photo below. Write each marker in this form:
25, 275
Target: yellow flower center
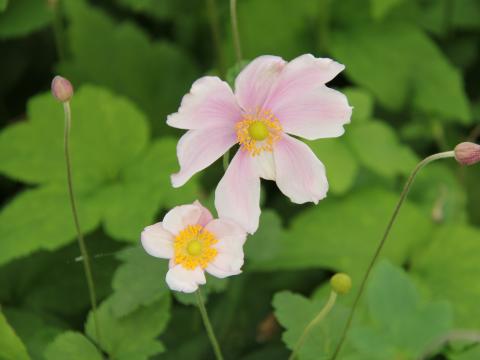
259, 131
193, 247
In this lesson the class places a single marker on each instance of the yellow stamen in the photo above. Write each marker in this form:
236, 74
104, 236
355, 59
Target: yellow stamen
258, 131
193, 247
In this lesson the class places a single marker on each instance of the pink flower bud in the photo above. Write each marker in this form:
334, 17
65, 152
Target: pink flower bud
62, 89
467, 153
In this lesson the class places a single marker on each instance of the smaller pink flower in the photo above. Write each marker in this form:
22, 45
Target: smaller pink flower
195, 242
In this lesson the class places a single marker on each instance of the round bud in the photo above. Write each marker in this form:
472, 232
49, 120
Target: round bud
62, 89
341, 283
467, 153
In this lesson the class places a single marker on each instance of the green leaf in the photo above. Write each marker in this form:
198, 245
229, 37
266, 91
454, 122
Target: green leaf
132, 336
139, 281
282, 14
3, 5
153, 74
22, 17
145, 185
381, 8
319, 237
466, 14
377, 147
153, 8
470, 354
264, 244
362, 103
295, 312
41, 219
73, 346
11, 347
402, 326
342, 166
108, 132
421, 71
449, 267
36, 330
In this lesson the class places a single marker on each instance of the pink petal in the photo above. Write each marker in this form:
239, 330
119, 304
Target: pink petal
181, 216
180, 279
237, 195
157, 241
300, 175
225, 265
198, 149
210, 103
314, 114
229, 232
206, 215
302, 74
253, 84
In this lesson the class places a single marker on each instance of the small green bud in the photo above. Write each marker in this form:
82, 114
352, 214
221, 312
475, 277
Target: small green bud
341, 283
467, 153
62, 89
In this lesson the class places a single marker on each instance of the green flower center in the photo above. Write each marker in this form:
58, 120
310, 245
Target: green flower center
258, 130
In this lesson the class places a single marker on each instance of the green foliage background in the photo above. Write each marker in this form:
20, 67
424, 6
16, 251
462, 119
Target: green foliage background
412, 75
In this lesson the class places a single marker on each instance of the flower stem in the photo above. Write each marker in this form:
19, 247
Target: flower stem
403, 195
235, 32
81, 241
212, 13
320, 316
208, 325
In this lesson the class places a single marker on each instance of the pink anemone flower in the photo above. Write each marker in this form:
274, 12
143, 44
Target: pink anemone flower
195, 242
273, 99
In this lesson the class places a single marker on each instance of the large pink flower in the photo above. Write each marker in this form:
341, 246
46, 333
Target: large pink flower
272, 98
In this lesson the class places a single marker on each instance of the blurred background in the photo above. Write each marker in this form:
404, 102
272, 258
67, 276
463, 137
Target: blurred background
412, 75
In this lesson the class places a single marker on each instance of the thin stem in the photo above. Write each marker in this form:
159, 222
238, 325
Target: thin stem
208, 325
212, 13
403, 195
320, 316
81, 241
235, 32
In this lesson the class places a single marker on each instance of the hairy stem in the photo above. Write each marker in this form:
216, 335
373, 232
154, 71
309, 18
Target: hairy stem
320, 316
208, 325
235, 32
81, 241
403, 195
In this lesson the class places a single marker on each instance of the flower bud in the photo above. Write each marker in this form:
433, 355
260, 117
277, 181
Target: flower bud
467, 153
341, 283
62, 89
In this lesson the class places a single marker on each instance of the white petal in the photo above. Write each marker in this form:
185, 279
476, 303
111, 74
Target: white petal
181, 216
264, 165
157, 241
180, 279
